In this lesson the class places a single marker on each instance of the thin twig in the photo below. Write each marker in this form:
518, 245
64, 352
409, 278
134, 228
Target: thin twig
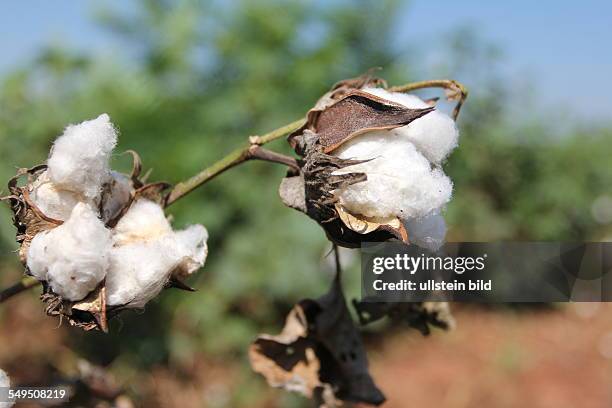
26, 283
234, 158
454, 90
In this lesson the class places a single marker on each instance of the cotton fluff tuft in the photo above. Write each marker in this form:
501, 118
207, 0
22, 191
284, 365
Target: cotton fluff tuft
5, 382
144, 221
79, 158
147, 251
427, 232
400, 180
53, 201
73, 257
435, 135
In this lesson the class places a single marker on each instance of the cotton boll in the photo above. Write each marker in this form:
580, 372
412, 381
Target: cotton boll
79, 158
145, 220
73, 257
117, 195
435, 135
54, 202
5, 382
400, 181
427, 232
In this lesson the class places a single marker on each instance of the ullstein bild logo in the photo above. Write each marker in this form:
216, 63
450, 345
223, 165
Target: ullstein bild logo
488, 272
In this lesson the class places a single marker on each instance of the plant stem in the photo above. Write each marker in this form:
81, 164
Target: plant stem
26, 283
234, 158
454, 90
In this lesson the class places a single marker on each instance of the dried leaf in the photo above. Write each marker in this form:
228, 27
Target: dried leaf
319, 353
421, 316
366, 225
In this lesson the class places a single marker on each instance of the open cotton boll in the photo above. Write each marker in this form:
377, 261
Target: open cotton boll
73, 257
5, 382
427, 232
435, 135
400, 181
53, 201
79, 158
145, 220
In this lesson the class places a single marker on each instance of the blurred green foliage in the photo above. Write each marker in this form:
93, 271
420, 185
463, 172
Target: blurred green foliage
197, 79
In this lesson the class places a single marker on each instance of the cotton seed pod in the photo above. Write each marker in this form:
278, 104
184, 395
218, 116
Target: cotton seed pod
339, 117
98, 240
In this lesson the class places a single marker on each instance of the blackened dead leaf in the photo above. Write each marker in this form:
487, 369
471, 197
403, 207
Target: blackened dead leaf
421, 315
319, 354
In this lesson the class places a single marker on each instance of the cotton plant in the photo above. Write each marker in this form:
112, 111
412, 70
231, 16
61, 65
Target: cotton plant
369, 169
98, 240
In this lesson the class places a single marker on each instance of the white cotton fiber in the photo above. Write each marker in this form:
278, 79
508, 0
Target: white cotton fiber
145, 220
54, 202
194, 250
73, 257
79, 158
5, 382
401, 181
147, 252
435, 135
427, 232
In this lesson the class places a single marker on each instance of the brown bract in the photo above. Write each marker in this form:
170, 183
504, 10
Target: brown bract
319, 354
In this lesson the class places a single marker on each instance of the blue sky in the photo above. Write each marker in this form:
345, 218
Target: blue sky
562, 46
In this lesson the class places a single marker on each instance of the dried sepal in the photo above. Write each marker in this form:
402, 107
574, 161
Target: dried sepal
419, 315
319, 354
366, 225
87, 314
28, 219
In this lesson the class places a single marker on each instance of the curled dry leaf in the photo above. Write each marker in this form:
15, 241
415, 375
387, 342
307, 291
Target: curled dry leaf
421, 316
318, 354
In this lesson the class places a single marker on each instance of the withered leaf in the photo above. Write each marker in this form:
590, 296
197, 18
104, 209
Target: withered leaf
357, 113
319, 353
366, 225
419, 315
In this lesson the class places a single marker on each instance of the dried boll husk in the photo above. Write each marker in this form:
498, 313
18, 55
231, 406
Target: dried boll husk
339, 116
28, 219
